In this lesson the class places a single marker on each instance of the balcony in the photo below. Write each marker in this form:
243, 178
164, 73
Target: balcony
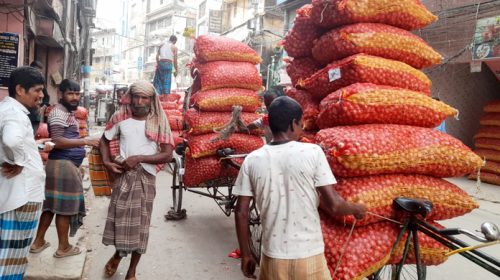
88, 8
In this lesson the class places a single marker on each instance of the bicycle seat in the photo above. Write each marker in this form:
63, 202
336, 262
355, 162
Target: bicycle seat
225, 152
413, 206
181, 147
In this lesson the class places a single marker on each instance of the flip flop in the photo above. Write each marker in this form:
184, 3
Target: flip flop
40, 249
73, 251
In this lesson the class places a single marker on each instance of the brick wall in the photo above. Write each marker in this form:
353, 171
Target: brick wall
454, 30
468, 92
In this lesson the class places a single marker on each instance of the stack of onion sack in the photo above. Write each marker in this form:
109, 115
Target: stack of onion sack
487, 142
172, 105
225, 75
81, 114
376, 117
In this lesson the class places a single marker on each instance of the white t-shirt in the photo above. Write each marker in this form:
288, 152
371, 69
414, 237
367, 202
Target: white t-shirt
166, 51
133, 141
283, 180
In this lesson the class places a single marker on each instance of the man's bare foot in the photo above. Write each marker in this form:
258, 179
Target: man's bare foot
112, 266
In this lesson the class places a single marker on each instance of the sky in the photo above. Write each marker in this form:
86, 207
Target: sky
107, 15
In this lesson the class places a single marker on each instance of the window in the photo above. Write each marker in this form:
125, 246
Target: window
235, 8
190, 22
152, 26
132, 31
167, 21
202, 9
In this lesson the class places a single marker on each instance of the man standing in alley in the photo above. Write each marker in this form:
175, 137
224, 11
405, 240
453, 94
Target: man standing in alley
166, 61
22, 177
145, 143
287, 179
63, 188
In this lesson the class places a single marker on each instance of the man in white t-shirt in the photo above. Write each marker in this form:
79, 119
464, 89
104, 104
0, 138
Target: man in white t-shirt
287, 179
142, 135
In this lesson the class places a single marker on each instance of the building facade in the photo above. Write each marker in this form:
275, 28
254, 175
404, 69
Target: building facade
134, 50
54, 33
259, 23
106, 58
163, 19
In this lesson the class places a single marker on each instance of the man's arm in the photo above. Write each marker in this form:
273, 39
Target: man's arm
241, 218
65, 143
164, 156
335, 205
106, 159
13, 141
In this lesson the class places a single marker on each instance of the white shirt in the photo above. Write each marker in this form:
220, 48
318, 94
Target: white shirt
166, 51
133, 141
17, 146
283, 180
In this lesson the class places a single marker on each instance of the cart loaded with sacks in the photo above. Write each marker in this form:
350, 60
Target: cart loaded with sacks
212, 139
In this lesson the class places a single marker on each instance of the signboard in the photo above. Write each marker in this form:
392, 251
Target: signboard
215, 21
139, 63
487, 39
280, 1
9, 52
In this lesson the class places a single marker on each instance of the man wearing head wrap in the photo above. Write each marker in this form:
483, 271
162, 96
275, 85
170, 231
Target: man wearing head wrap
136, 143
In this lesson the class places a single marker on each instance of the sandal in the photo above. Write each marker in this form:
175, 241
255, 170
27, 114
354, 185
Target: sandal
73, 251
40, 249
111, 266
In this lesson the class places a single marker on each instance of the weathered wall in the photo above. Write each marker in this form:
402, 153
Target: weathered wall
455, 85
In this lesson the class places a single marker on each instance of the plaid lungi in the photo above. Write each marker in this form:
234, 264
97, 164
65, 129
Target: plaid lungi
311, 268
163, 77
129, 213
17, 229
64, 192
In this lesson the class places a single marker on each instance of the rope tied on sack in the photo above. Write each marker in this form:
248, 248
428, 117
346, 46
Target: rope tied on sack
322, 11
234, 125
350, 235
343, 249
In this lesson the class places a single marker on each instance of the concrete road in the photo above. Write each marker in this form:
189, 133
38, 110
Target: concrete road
197, 248
458, 267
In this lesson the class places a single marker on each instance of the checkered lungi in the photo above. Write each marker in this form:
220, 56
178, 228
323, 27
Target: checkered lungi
129, 213
17, 229
311, 268
64, 192
163, 77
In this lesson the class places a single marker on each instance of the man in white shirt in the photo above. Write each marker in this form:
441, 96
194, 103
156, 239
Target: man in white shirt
22, 177
145, 142
287, 179
166, 64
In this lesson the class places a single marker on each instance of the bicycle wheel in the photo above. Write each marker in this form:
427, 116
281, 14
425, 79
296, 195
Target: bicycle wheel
388, 272
176, 212
255, 232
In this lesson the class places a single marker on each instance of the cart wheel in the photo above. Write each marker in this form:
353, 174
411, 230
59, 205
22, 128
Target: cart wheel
255, 232
176, 212
388, 272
